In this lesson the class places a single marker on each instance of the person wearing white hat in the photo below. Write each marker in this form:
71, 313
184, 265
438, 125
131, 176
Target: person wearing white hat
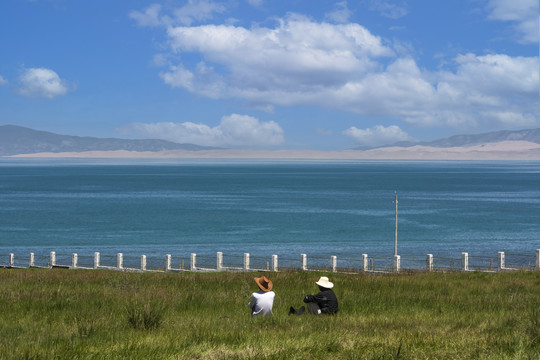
325, 302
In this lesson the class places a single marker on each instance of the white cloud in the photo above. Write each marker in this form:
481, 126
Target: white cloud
343, 66
3, 81
197, 10
192, 11
377, 135
284, 65
341, 14
41, 82
523, 13
389, 9
150, 16
233, 131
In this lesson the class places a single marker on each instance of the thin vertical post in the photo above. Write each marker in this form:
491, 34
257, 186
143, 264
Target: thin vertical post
74, 260
96, 260
464, 261
429, 262
53, 259
537, 259
303, 262
246, 261
143, 262
193, 262
365, 263
395, 236
219, 265
501, 260
274, 262
11, 260
397, 263
167, 262
31, 262
120, 261
333, 260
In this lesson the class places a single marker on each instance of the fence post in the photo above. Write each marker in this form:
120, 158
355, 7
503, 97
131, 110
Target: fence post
274, 262
501, 260
429, 262
74, 260
53, 259
120, 261
537, 259
219, 265
333, 260
246, 261
167, 262
31, 262
364, 263
464, 261
11, 260
193, 262
96, 260
397, 262
143, 262
303, 262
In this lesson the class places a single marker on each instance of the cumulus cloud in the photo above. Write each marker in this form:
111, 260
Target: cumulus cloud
377, 135
192, 11
288, 64
522, 13
3, 81
41, 82
302, 62
233, 131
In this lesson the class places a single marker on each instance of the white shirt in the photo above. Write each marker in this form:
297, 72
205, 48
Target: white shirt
261, 302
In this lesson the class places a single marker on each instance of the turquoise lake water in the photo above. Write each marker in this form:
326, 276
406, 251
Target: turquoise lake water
264, 208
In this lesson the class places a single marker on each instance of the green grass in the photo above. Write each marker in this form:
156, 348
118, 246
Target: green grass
95, 314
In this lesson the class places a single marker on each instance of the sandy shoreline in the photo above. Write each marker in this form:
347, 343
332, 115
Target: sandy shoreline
506, 150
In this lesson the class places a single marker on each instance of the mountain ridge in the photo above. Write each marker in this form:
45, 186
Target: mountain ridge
16, 140
531, 135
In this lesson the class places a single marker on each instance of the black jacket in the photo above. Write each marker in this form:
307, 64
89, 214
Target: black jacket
326, 300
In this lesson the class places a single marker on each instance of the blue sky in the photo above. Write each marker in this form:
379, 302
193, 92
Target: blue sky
294, 74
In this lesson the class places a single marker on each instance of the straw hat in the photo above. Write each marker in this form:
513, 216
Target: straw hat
264, 283
324, 282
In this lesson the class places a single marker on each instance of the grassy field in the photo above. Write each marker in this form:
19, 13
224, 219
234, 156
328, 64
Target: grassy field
95, 314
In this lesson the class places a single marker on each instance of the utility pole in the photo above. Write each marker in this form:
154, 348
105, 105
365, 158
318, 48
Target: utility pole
395, 238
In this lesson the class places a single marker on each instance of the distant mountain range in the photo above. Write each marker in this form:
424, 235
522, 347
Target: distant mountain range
15, 140
531, 135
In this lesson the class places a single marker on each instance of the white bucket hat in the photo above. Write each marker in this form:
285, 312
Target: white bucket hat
324, 282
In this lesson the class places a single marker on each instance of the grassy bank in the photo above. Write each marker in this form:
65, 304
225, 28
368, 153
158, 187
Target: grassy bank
83, 314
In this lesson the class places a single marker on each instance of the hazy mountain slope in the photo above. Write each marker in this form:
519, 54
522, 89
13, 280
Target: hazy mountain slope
531, 135
20, 140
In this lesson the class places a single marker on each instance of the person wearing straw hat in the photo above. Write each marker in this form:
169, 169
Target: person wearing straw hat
262, 301
325, 302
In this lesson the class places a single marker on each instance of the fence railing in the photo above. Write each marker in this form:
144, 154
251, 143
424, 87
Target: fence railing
169, 263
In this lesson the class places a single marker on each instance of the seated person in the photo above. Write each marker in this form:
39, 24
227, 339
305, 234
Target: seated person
262, 301
325, 302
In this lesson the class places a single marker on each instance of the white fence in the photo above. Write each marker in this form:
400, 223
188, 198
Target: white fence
168, 263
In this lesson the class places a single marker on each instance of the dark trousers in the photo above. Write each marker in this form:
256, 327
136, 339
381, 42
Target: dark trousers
313, 308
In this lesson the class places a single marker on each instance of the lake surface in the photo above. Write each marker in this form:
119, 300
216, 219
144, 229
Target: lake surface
264, 208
